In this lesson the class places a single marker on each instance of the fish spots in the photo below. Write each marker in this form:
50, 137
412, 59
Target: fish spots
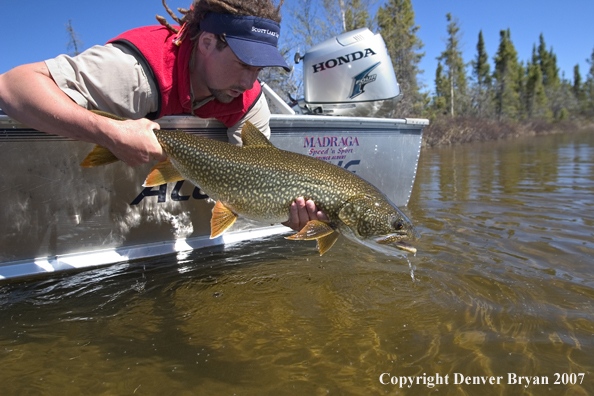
260, 182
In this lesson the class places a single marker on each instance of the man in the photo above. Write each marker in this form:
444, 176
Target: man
208, 67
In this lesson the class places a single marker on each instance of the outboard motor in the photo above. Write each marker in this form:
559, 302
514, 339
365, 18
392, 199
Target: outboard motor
349, 75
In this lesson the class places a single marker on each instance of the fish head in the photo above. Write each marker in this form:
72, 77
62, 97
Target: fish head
376, 222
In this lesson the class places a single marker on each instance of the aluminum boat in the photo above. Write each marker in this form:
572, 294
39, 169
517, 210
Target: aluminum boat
57, 216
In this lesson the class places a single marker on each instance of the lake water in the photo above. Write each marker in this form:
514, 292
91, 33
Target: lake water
499, 300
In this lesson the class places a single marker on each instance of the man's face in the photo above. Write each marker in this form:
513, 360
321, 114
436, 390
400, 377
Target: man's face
223, 75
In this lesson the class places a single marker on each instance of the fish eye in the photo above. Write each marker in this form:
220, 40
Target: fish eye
398, 224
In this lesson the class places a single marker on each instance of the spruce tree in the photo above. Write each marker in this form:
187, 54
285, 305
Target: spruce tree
396, 22
578, 90
535, 100
521, 83
548, 64
556, 95
589, 88
457, 98
566, 102
482, 74
481, 64
507, 102
356, 15
441, 88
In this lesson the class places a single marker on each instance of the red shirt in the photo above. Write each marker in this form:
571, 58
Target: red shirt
170, 65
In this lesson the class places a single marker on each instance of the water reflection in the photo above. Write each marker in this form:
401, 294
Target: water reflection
503, 284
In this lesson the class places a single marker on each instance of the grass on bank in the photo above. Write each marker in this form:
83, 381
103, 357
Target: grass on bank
456, 130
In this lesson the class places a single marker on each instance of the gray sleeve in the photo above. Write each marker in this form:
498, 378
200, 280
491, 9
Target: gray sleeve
106, 77
259, 115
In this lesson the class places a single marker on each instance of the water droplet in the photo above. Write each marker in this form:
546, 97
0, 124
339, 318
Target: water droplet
412, 272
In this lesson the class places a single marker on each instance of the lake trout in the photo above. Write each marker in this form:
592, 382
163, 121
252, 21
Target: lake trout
260, 182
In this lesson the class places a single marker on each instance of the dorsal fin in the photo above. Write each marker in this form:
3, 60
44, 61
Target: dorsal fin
252, 137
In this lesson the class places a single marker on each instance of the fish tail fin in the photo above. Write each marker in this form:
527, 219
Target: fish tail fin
163, 172
222, 219
98, 156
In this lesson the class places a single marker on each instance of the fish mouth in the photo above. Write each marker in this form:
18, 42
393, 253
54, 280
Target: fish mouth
406, 247
396, 240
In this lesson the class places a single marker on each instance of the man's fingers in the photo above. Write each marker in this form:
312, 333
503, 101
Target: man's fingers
310, 206
301, 212
322, 216
303, 215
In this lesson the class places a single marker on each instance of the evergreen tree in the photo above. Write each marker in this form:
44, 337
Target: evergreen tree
482, 74
457, 97
589, 88
346, 15
356, 15
396, 22
481, 67
521, 85
579, 90
441, 88
566, 102
548, 64
550, 76
535, 100
577, 83
506, 78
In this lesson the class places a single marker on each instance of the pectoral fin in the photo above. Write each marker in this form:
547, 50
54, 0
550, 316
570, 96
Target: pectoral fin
320, 231
314, 229
325, 243
222, 218
163, 172
98, 156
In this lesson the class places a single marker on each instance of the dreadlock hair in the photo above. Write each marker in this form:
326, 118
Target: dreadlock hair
193, 16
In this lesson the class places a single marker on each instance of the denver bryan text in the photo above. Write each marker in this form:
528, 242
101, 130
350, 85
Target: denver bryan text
431, 381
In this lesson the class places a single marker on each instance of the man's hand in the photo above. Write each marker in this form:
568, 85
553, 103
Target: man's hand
134, 142
303, 211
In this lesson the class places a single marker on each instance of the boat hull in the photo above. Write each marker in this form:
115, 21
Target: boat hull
57, 216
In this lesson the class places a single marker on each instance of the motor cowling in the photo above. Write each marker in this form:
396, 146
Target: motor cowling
349, 75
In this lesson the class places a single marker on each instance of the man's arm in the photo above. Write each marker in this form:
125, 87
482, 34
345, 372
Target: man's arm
29, 94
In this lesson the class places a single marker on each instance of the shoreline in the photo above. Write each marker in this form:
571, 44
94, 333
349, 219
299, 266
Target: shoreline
446, 131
